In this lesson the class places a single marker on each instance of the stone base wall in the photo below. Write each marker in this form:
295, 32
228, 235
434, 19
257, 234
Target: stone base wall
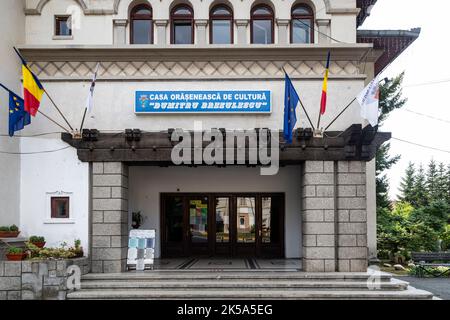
37, 280
109, 217
334, 216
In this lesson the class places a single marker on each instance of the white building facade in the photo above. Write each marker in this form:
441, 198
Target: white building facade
320, 206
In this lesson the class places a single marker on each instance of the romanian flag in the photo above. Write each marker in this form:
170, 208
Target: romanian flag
32, 88
323, 102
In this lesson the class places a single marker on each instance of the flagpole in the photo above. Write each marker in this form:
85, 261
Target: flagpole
303, 107
7, 89
354, 99
45, 91
46, 116
82, 121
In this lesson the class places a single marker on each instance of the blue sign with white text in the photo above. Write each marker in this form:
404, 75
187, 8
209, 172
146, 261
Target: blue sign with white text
203, 102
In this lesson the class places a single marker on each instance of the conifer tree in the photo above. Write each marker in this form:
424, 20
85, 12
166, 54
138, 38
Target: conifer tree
441, 183
420, 190
432, 181
407, 184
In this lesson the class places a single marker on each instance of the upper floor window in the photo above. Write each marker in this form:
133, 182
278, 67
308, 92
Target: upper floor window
141, 25
262, 21
182, 25
302, 24
62, 26
221, 25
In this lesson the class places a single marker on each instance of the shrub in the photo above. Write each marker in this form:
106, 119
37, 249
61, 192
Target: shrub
4, 228
14, 228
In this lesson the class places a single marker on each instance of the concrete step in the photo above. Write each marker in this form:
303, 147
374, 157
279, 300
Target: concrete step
171, 294
239, 285
176, 276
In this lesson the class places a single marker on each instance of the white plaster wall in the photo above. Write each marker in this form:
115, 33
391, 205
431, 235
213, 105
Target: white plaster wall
146, 184
52, 172
114, 105
12, 26
88, 29
98, 28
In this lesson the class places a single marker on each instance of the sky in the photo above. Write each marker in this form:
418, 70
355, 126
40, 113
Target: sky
425, 61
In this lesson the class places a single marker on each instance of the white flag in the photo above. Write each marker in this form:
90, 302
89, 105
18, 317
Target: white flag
90, 99
369, 100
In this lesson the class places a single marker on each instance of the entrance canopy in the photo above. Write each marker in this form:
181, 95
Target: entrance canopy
155, 148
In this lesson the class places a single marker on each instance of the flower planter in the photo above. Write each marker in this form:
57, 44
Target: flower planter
15, 256
40, 245
9, 234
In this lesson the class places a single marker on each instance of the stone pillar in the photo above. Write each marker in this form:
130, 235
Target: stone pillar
324, 30
318, 216
109, 217
201, 32
120, 31
334, 216
283, 33
161, 31
352, 209
242, 31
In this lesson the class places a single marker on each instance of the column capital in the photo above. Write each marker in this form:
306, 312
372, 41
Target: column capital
161, 23
241, 22
283, 22
323, 22
120, 22
201, 22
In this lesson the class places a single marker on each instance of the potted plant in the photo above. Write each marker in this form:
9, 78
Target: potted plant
9, 232
15, 254
37, 241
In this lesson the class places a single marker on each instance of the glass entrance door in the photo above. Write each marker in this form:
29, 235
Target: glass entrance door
198, 231
246, 226
231, 225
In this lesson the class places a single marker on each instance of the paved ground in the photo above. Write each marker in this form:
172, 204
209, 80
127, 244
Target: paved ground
440, 287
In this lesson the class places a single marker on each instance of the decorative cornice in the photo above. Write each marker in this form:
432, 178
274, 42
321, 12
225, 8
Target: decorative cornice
302, 52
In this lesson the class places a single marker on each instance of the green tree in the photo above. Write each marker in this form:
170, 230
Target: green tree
432, 180
407, 184
447, 184
390, 100
391, 96
441, 183
420, 189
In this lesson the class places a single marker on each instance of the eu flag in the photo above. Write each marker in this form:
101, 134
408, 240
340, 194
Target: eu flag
291, 100
18, 117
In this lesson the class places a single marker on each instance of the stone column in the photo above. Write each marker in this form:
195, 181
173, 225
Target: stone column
201, 32
324, 30
120, 31
109, 217
242, 31
318, 216
334, 216
161, 31
352, 209
283, 33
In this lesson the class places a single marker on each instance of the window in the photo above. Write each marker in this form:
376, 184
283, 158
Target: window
302, 24
141, 25
221, 25
262, 22
182, 25
62, 26
60, 207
